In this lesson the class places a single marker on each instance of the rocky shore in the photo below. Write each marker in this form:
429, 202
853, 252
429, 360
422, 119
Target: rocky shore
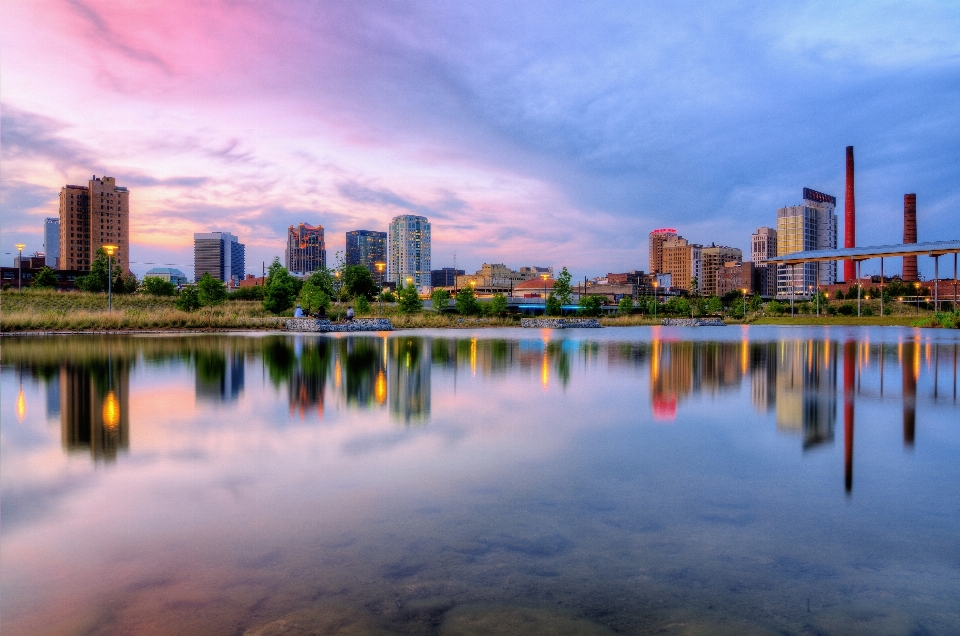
318, 325
693, 322
560, 323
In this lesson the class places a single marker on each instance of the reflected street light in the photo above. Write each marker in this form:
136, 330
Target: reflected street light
109, 249
380, 267
20, 247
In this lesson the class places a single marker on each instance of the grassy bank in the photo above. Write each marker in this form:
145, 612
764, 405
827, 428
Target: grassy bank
853, 321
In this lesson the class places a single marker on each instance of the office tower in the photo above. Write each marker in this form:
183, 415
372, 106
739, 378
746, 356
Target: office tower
219, 254
683, 261
715, 257
306, 251
51, 242
367, 248
812, 225
910, 272
408, 250
657, 239
445, 277
763, 245
92, 216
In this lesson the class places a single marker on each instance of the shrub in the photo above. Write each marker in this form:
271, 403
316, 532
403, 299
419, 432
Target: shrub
553, 305
281, 289
498, 305
625, 306
409, 301
210, 291
466, 303
45, 278
832, 310
775, 307
590, 305
389, 296
866, 311
362, 305
254, 292
156, 286
440, 299
678, 306
846, 309
188, 299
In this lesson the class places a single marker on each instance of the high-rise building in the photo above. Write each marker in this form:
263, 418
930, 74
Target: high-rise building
367, 248
763, 245
306, 251
445, 277
657, 239
715, 257
51, 242
683, 261
812, 225
219, 254
92, 216
408, 250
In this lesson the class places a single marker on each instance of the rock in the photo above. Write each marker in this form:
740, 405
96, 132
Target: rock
693, 322
560, 323
322, 325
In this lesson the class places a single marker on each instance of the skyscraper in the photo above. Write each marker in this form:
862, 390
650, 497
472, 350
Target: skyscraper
408, 251
715, 257
657, 239
763, 245
367, 248
51, 242
683, 261
92, 216
306, 251
219, 254
812, 225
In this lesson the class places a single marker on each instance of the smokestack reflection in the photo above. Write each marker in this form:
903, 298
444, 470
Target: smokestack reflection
909, 369
849, 382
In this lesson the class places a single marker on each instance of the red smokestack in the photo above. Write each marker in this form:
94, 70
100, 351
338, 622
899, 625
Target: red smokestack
910, 235
849, 220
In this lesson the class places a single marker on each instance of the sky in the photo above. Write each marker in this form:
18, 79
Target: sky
529, 133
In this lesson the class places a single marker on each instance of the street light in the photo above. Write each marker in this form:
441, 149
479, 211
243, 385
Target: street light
744, 304
917, 286
380, 267
655, 284
109, 249
20, 247
544, 277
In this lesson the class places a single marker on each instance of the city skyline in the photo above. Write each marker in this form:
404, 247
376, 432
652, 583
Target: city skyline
351, 115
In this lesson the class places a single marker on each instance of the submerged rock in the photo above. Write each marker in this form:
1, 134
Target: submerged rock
327, 619
492, 620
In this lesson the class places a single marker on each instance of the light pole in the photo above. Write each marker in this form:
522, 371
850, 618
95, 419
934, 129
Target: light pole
544, 277
380, 267
917, 287
20, 247
901, 304
744, 304
655, 285
109, 249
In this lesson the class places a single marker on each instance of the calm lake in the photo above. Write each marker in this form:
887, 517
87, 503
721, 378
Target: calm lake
704, 480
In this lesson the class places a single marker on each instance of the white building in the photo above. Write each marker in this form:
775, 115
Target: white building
812, 225
408, 251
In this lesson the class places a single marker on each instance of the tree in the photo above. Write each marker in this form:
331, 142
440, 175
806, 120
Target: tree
210, 291
281, 288
625, 306
253, 292
323, 280
561, 287
695, 287
466, 303
756, 303
409, 302
553, 305
714, 306
357, 282
188, 299
590, 305
362, 305
677, 306
389, 296
46, 278
498, 305
96, 280
775, 307
313, 296
440, 299
156, 286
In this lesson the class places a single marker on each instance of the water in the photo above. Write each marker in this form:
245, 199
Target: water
676, 481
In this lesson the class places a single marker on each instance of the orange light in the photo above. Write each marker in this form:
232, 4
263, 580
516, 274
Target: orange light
111, 411
380, 390
21, 404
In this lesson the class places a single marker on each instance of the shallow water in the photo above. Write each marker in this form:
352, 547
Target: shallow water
679, 481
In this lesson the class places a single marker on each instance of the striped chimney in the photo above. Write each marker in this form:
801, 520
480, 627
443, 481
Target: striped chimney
910, 235
849, 220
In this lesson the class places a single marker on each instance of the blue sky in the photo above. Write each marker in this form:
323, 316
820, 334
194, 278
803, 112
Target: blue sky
546, 133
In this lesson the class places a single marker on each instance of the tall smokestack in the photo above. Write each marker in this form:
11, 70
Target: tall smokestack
849, 220
910, 235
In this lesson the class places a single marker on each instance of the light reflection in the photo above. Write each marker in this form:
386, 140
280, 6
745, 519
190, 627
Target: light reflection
21, 405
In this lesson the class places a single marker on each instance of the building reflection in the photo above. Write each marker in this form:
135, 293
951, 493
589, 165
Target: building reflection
94, 407
408, 384
219, 374
806, 389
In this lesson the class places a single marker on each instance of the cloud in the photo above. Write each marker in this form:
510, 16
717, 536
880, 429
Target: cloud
26, 135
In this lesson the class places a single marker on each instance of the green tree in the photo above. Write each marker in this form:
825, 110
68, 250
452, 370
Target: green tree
46, 278
677, 306
313, 296
281, 288
466, 303
561, 287
325, 281
210, 291
714, 306
695, 287
362, 305
756, 303
553, 305
188, 299
357, 282
96, 280
409, 301
590, 305
440, 299
389, 296
156, 286
775, 307
498, 304
253, 292
625, 306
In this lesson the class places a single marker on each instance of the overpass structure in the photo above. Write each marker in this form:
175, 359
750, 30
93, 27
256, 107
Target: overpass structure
934, 249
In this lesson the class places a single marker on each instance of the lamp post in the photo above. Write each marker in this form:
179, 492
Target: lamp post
544, 277
901, 304
20, 247
109, 249
917, 287
744, 304
655, 285
380, 267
